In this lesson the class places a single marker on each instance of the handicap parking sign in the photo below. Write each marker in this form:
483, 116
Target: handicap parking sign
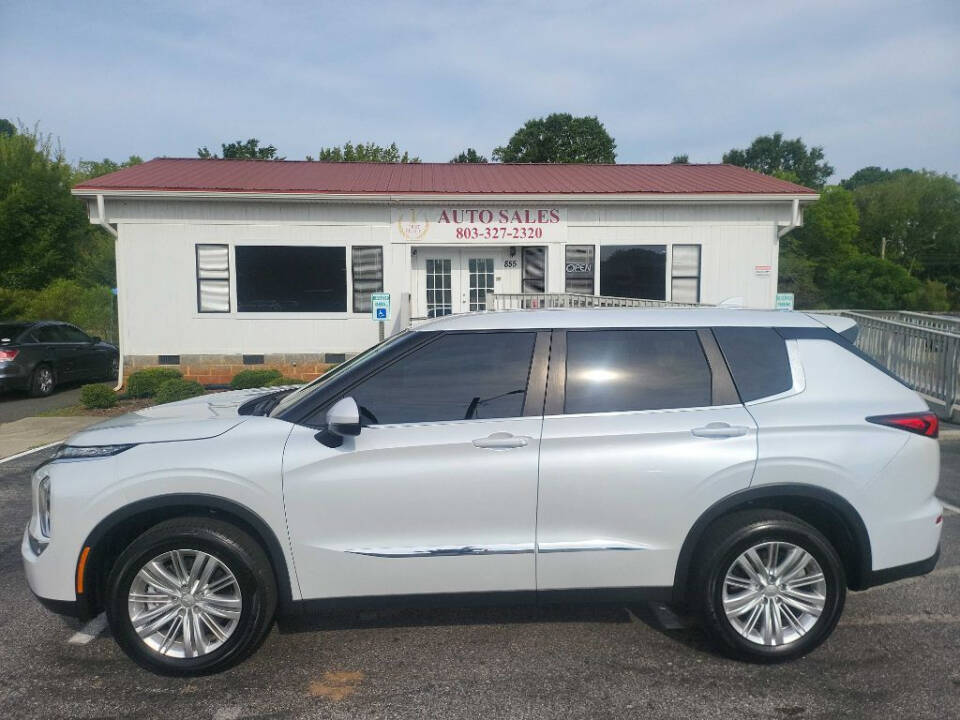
380, 306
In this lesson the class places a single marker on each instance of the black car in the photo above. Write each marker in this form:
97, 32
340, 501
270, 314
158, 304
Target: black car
37, 356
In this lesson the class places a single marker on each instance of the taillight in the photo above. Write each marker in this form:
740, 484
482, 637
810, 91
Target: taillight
926, 424
8, 354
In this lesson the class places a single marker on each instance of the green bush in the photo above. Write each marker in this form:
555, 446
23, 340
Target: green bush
145, 383
285, 381
254, 378
178, 389
97, 396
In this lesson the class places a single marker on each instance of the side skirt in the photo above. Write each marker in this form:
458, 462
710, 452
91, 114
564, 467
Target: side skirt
574, 596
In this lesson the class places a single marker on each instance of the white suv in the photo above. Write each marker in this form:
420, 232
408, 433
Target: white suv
750, 465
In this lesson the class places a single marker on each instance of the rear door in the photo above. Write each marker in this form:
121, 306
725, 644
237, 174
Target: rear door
643, 431
59, 352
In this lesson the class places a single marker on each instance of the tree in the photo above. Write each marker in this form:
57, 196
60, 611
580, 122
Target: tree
914, 219
469, 156
7, 127
680, 159
770, 154
869, 282
87, 169
559, 138
872, 174
240, 150
41, 224
364, 152
830, 227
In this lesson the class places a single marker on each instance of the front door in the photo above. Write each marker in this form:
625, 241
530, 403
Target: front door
456, 280
438, 492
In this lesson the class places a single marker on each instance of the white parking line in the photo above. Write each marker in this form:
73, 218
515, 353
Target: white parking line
30, 452
89, 631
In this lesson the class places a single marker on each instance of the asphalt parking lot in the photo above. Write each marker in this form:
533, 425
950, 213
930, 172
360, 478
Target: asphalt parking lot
894, 654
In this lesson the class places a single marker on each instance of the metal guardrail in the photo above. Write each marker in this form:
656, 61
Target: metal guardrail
928, 360
539, 301
943, 323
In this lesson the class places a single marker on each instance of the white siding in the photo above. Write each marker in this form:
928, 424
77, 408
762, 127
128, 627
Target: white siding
157, 271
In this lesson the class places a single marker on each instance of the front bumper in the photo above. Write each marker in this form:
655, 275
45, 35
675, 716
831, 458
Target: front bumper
44, 567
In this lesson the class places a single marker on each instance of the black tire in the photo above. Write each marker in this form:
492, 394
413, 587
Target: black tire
231, 546
113, 369
42, 381
724, 542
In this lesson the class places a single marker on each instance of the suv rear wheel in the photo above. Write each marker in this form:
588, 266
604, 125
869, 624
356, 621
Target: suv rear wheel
191, 597
769, 587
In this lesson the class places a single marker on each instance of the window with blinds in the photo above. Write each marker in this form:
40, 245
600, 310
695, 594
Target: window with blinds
534, 269
213, 278
685, 274
367, 264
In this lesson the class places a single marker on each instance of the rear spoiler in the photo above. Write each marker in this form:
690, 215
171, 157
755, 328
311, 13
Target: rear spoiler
843, 326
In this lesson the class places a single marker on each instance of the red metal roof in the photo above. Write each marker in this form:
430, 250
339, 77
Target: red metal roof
264, 176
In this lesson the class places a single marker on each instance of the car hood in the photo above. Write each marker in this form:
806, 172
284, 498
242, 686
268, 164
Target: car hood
193, 419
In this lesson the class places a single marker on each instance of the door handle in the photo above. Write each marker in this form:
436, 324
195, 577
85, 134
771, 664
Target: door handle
501, 441
719, 430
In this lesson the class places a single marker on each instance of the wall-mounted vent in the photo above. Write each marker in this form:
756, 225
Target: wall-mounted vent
334, 357
253, 359
168, 359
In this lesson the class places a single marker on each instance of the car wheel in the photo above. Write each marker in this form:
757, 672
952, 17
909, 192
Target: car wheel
191, 597
43, 381
113, 369
769, 587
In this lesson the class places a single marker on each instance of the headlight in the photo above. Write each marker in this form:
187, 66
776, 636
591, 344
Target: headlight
43, 505
91, 451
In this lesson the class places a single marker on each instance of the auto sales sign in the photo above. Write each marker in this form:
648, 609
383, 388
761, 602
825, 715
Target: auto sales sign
470, 224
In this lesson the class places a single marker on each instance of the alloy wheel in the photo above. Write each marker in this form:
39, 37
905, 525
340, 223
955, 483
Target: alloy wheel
45, 376
774, 593
184, 603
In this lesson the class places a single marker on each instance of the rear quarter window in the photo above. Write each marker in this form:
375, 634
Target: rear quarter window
758, 361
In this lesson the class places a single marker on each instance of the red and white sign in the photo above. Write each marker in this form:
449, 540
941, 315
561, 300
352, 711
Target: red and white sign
499, 225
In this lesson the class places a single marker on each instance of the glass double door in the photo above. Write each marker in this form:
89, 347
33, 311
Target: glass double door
457, 280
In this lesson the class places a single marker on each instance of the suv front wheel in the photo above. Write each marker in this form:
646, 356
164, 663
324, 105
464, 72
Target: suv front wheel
191, 596
769, 587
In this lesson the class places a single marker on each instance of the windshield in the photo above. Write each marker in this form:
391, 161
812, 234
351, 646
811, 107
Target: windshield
11, 331
366, 356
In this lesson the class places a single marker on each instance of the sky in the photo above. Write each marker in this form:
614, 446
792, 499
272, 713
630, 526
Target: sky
874, 82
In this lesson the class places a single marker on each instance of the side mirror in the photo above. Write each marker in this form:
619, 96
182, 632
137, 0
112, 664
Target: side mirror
343, 419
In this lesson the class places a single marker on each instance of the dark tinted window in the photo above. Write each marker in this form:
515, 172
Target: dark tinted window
50, 333
458, 377
616, 370
71, 334
634, 271
758, 360
291, 279
9, 332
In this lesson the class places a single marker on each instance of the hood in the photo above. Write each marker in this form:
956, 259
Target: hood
193, 419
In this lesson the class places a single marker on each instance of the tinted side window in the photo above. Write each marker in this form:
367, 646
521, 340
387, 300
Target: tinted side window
458, 377
758, 360
71, 334
50, 334
618, 370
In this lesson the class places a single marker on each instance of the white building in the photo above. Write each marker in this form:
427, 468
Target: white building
226, 263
